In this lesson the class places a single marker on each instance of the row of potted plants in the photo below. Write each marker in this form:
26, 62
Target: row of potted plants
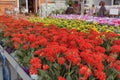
55, 53
80, 25
100, 20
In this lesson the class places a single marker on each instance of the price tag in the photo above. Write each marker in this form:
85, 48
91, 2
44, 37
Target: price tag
114, 11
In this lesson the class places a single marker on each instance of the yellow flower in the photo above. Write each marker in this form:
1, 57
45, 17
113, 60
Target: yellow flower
95, 29
109, 30
78, 28
75, 24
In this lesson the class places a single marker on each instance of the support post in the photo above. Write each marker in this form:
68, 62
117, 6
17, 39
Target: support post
27, 5
18, 4
82, 7
36, 5
46, 7
112, 1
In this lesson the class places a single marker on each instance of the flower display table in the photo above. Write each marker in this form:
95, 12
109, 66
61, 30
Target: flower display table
58, 53
100, 20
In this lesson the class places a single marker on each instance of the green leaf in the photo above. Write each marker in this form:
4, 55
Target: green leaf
44, 75
108, 47
69, 77
93, 79
110, 78
40, 77
55, 65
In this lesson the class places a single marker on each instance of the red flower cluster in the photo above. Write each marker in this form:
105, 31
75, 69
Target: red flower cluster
61, 78
45, 67
61, 60
84, 70
114, 59
35, 65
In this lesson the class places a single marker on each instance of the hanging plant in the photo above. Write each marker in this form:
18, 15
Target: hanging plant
69, 2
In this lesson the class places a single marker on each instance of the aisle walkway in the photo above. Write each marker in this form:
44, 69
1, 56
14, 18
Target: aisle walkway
0, 70
13, 72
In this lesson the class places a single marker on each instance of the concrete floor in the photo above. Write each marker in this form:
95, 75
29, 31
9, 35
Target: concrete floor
0, 70
13, 73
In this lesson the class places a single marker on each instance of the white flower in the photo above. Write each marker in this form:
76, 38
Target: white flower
34, 76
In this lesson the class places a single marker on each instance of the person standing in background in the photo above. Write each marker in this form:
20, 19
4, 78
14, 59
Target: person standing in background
16, 10
76, 8
102, 10
7, 11
69, 9
92, 10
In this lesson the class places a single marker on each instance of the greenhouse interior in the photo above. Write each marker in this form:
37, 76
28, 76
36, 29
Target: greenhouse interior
59, 39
